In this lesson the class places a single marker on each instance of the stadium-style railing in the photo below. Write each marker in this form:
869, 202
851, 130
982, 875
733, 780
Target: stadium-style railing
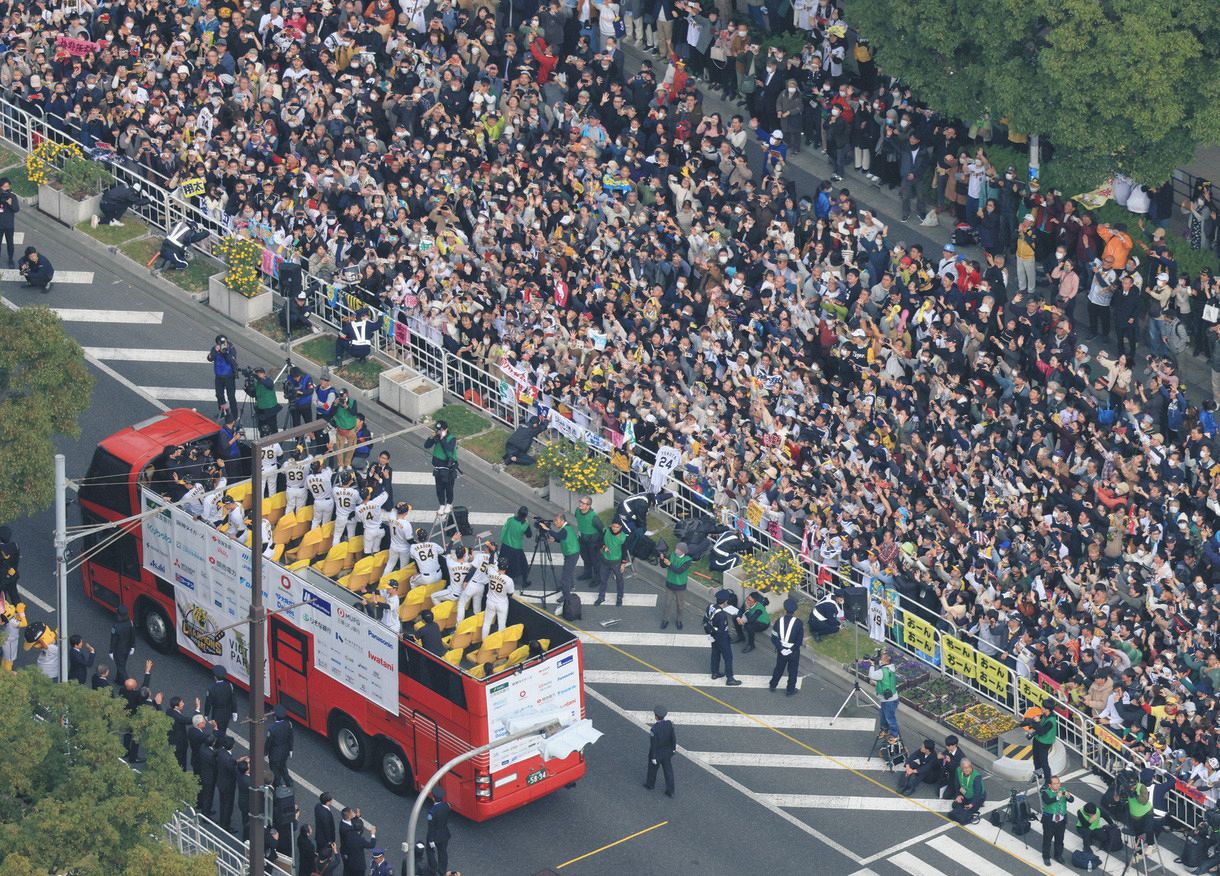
412, 341
194, 834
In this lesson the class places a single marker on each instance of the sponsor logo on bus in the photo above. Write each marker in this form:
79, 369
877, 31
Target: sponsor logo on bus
197, 625
314, 601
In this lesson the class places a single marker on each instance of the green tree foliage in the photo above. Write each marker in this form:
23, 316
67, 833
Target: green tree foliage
70, 804
44, 389
1118, 85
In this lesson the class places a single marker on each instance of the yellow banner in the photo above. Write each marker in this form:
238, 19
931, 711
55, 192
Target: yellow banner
993, 676
919, 634
193, 188
960, 658
754, 514
1107, 737
1031, 692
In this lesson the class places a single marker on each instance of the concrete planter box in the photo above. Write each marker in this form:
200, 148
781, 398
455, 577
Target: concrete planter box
409, 393
566, 500
234, 305
55, 203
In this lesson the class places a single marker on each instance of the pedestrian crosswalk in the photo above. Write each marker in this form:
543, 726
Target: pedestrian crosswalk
739, 720
124, 317
9, 275
690, 679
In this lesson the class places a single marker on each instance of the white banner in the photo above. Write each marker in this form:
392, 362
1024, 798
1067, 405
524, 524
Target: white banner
552, 688
211, 577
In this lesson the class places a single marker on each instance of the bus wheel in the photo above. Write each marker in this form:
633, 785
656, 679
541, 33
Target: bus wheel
349, 742
393, 767
157, 627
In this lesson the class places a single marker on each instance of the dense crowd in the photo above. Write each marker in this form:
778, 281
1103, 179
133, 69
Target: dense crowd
932, 421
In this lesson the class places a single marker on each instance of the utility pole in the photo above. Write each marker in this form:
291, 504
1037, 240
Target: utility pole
61, 561
258, 638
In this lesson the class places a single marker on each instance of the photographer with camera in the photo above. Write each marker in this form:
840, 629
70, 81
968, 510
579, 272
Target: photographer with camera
223, 357
445, 470
1196, 853
1041, 725
36, 269
298, 391
566, 536
1054, 819
513, 534
266, 403
882, 674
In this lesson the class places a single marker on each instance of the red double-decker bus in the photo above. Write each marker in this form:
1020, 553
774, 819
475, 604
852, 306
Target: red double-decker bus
382, 701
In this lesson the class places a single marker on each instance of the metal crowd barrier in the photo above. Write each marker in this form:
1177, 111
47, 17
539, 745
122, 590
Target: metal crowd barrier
194, 834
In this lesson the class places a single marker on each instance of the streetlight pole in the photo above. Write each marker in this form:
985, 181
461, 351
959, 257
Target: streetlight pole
548, 729
258, 638
61, 561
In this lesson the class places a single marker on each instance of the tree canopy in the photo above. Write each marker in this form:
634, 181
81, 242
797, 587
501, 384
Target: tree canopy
1118, 85
44, 389
70, 804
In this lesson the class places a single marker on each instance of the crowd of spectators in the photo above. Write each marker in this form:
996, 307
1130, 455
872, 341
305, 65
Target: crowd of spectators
934, 421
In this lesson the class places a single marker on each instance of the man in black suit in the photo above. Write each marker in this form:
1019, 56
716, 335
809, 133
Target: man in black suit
437, 838
80, 659
10, 206
307, 852
220, 702
101, 679
180, 728
323, 821
243, 796
279, 747
198, 736
207, 776
913, 161
353, 844
226, 780
662, 743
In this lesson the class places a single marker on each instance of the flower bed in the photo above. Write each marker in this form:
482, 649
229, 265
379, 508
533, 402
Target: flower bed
982, 724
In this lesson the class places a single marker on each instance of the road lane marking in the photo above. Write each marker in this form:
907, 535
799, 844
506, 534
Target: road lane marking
140, 354
191, 393
630, 600
14, 276
687, 679
913, 865
127, 317
784, 722
30, 597
786, 761
617, 842
972, 861
845, 803
476, 518
413, 479
616, 639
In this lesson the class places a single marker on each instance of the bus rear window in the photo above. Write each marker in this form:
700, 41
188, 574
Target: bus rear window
108, 483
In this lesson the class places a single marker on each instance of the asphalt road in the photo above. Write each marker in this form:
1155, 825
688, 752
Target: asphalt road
765, 783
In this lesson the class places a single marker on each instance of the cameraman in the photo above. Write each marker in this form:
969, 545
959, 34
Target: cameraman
223, 357
568, 540
1093, 825
1042, 728
882, 674
298, 390
515, 531
444, 473
1054, 819
266, 404
36, 269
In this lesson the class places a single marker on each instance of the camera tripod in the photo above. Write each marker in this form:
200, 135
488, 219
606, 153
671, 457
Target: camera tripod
542, 550
1016, 809
856, 693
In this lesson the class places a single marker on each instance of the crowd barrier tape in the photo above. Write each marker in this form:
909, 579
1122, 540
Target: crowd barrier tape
412, 342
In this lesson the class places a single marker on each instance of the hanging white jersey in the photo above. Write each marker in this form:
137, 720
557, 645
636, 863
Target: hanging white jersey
427, 556
499, 588
320, 485
295, 471
346, 500
270, 457
369, 513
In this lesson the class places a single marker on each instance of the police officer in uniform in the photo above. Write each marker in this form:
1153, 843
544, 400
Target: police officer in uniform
717, 625
122, 644
444, 464
788, 635
220, 702
279, 747
226, 780
662, 743
437, 837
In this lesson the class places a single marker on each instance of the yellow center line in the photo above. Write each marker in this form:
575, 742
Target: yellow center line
797, 742
612, 845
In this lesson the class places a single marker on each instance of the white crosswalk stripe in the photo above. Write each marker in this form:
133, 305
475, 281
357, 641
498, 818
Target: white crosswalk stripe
973, 862
126, 317
787, 761
191, 393
140, 354
693, 679
780, 722
913, 865
8, 275
477, 518
630, 600
843, 803
648, 640
413, 479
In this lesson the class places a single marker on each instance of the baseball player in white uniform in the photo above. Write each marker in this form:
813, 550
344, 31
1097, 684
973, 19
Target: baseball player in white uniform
499, 589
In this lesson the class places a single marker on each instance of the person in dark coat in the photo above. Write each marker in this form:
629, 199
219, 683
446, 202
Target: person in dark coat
133, 695
279, 747
80, 659
220, 702
243, 796
180, 728
207, 777
323, 821
918, 768
722, 647
437, 838
947, 763
353, 844
101, 679
307, 852
37, 270
116, 200
10, 565
10, 206
226, 781
122, 644
662, 743
198, 736
430, 635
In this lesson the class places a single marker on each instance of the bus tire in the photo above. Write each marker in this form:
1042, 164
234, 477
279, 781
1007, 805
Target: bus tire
394, 768
158, 629
349, 742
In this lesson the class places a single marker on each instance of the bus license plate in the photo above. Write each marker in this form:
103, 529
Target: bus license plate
536, 776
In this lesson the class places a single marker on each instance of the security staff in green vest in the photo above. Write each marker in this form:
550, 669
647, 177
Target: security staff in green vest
677, 571
755, 619
1042, 731
590, 527
1054, 819
1092, 825
444, 466
882, 674
1139, 815
611, 561
266, 404
565, 535
512, 546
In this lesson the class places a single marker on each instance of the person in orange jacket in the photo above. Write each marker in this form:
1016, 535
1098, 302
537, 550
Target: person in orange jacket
1118, 242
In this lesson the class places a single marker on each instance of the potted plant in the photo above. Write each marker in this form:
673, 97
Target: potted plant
410, 393
573, 471
70, 185
239, 292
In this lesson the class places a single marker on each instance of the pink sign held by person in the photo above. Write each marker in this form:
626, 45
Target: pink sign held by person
79, 48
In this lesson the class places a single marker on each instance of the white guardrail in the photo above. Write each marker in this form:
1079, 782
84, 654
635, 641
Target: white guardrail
410, 341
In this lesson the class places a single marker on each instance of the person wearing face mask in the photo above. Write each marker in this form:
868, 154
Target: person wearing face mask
789, 109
